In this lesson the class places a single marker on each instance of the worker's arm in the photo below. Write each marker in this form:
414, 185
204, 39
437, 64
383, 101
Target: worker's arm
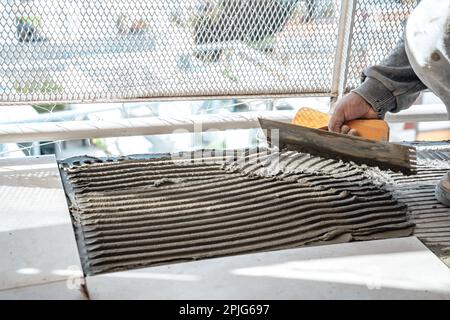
390, 86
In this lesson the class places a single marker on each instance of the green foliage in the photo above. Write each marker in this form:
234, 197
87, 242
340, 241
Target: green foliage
49, 108
100, 144
37, 86
32, 20
230, 76
263, 44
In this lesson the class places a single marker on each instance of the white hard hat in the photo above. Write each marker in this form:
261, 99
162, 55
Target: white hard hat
428, 45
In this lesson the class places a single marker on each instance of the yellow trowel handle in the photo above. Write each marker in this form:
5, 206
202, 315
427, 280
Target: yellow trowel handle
369, 129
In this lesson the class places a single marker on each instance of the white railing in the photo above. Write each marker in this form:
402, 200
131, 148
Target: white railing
70, 130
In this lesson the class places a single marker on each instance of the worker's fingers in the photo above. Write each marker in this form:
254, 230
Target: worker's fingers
335, 126
353, 132
345, 129
338, 118
351, 106
336, 121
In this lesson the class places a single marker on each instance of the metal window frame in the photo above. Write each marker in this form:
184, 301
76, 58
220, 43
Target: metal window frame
338, 85
344, 43
147, 126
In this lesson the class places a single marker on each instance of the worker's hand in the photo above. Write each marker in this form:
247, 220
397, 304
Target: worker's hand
351, 106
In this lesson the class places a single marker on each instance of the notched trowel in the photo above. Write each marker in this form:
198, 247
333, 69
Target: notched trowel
360, 150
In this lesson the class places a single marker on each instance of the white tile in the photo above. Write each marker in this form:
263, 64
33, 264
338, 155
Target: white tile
37, 242
384, 269
60, 290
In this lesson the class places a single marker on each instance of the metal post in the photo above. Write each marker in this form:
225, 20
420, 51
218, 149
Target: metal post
344, 42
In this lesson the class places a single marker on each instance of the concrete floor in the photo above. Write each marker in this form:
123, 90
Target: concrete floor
39, 259
400, 268
38, 252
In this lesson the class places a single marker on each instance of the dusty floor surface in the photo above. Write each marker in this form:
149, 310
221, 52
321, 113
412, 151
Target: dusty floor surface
145, 210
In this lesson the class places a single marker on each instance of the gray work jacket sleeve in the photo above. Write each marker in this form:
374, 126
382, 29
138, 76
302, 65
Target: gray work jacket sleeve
392, 85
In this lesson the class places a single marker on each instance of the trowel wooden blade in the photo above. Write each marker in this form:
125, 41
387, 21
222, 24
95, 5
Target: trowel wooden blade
340, 146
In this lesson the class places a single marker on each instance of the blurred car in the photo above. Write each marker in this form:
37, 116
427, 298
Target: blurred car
213, 23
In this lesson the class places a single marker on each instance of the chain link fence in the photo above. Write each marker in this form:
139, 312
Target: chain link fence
377, 28
103, 50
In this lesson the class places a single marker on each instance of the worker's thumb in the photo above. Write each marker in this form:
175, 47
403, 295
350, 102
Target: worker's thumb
336, 122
